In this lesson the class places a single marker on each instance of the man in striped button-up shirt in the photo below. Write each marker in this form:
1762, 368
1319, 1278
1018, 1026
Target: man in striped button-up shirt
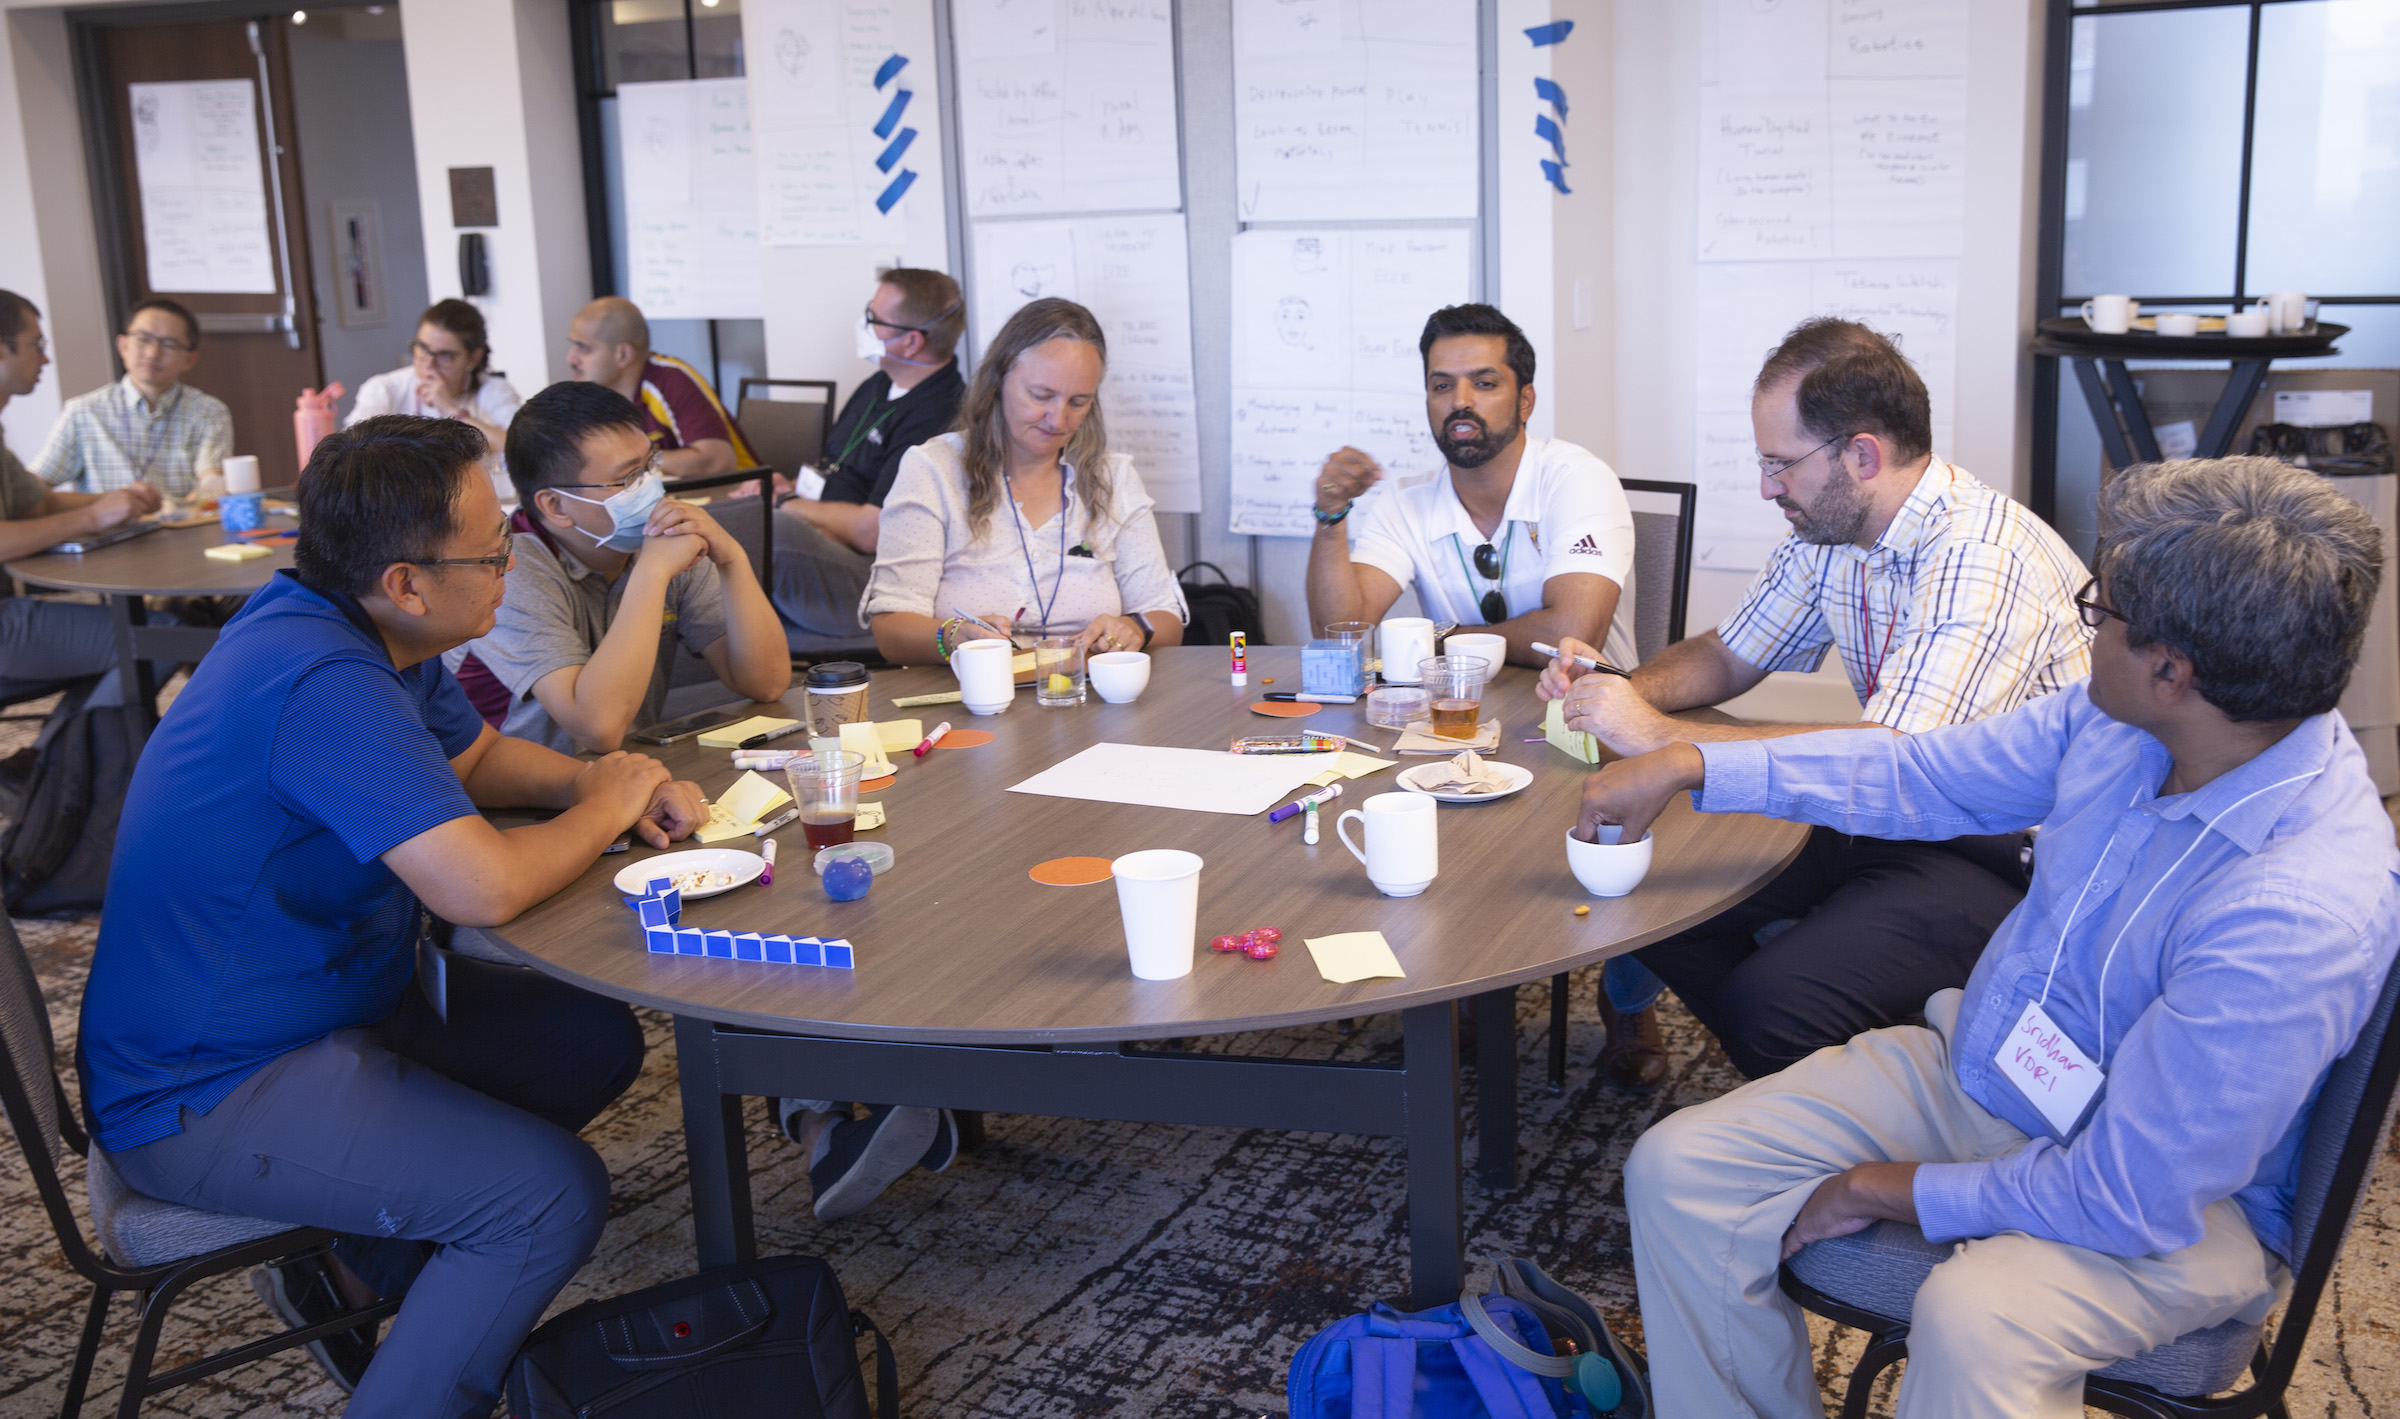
1948, 603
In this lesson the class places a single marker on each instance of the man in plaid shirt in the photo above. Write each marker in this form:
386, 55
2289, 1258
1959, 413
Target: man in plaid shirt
1948, 602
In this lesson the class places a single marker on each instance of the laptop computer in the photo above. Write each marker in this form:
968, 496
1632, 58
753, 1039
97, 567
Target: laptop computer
123, 531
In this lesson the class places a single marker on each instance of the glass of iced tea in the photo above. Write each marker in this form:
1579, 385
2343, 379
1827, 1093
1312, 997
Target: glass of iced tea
825, 784
1455, 683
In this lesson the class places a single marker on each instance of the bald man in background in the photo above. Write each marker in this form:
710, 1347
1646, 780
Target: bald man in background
608, 343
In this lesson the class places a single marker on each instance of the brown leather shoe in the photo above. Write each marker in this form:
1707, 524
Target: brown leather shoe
1635, 1057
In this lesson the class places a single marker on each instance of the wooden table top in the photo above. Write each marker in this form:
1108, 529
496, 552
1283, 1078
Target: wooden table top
956, 944
163, 563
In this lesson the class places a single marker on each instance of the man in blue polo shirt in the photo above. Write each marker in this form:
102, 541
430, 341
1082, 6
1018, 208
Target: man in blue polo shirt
250, 1043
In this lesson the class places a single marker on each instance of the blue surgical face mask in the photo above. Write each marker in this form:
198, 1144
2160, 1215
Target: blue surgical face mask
628, 510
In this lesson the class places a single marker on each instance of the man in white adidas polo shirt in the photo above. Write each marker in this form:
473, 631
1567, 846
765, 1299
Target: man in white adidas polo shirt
1531, 537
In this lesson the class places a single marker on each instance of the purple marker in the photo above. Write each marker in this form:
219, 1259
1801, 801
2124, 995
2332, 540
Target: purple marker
1294, 808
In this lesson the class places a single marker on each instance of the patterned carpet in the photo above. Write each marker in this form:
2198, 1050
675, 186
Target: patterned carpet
1075, 1268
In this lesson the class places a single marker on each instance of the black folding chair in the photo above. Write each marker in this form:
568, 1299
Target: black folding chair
1869, 1279
154, 1249
786, 434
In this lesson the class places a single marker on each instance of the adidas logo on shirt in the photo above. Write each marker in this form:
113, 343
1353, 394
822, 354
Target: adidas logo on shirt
1586, 546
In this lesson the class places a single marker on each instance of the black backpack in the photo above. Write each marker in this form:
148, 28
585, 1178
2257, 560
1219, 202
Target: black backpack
1220, 610
768, 1338
54, 856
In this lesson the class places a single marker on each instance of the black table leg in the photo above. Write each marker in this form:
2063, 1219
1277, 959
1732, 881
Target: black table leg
1496, 1089
2129, 406
141, 686
2104, 413
2241, 386
1557, 1081
717, 1149
1436, 1215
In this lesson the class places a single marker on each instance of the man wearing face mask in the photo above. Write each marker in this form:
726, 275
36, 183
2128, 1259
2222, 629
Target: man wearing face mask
610, 576
825, 545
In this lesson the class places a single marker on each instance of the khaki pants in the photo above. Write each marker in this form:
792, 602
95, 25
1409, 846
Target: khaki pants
2007, 1327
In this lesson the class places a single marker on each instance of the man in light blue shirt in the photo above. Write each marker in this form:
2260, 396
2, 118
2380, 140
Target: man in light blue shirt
2108, 1119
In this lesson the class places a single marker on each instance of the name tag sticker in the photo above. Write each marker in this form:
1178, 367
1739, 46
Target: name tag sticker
2048, 1069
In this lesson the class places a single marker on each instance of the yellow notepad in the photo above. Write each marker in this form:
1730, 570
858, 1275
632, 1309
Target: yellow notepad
237, 552
1354, 956
868, 745
742, 807
1573, 743
898, 736
731, 736
1351, 765
870, 817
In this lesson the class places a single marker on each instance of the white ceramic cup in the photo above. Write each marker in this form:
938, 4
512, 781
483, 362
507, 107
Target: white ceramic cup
987, 679
1403, 850
2178, 324
1158, 894
2287, 312
1608, 868
241, 473
1119, 675
1406, 640
2250, 324
2111, 315
1490, 649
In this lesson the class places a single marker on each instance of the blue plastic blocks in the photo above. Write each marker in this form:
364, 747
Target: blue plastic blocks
661, 911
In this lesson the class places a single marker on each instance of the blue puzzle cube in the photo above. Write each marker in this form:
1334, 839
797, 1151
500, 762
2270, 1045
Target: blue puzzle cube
748, 946
1331, 668
777, 949
660, 940
691, 941
837, 955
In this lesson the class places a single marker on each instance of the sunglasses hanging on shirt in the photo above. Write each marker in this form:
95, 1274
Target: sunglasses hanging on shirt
1493, 564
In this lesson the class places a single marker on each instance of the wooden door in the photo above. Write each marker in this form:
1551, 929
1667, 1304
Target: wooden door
191, 208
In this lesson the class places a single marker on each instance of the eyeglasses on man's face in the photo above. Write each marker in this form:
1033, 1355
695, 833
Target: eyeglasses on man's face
1772, 467
144, 340
499, 563
2089, 606
655, 464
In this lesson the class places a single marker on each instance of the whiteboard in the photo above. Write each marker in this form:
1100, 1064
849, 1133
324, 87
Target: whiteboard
1356, 110
197, 163
825, 177
1067, 106
1325, 328
691, 200
1133, 273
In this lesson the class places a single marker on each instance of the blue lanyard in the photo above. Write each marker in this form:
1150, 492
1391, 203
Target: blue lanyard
1025, 545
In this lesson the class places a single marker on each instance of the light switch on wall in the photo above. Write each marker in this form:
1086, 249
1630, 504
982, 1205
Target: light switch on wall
1583, 302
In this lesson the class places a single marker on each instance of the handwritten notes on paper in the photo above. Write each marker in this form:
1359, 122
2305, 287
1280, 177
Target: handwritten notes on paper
1134, 274
1832, 182
1355, 110
691, 200
815, 108
1067, 106
1325, 354
197, 162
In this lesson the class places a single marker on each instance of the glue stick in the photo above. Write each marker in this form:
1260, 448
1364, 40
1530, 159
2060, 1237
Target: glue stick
1241, 659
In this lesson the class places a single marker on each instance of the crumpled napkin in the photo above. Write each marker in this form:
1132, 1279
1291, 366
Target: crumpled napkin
1468, 773
1420, 739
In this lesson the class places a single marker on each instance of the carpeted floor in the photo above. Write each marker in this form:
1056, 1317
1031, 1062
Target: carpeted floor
1075, 1268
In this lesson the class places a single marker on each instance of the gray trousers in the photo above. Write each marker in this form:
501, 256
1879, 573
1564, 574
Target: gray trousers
818, 583
44, 644
415, 1130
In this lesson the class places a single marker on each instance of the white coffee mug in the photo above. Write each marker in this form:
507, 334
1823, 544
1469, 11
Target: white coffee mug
1119, 675
986, 671
1406, 641
1608, 868
2249, 324
1490, 649
1158, 896
2178, 324
2287, 312
241, 473
2111, 315
1403, 850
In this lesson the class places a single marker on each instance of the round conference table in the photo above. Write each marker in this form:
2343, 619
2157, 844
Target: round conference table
168, 562
978, 988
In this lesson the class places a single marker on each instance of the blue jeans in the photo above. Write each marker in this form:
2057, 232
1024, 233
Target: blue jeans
413, 1131
1631, 986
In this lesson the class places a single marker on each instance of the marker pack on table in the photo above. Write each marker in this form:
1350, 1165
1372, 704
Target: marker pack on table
1309, 742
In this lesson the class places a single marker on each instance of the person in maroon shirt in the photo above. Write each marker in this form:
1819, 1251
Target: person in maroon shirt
608, 343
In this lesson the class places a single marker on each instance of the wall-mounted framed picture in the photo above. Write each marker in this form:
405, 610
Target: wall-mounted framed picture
358, 262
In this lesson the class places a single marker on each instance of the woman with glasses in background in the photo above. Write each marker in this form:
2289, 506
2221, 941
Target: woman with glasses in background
449, 375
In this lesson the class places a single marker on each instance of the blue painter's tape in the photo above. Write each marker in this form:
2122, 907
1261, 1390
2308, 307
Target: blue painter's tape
837, 955
1550, 33
1549, 92
1557, 173
891, 113
1548, 132
899, 188
778, 949
891, 154
890, 69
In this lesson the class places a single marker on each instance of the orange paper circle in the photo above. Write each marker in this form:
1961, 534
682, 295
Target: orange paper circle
1282, 709
876, 785
965, 739
1071, 871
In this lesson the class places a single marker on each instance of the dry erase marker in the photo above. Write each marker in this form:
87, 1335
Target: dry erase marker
770, 760
1583, 660
932, 739
1241, 659
1326, 794
766, 874
1309, 833
757, 739
1305, 698
775, 822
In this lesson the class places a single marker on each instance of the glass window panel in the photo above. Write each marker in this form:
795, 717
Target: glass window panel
2372, 344
2325, 175
644, 41
2154, 150
717, 38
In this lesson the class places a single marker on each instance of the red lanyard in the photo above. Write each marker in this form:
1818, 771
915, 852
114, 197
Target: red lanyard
1866, 616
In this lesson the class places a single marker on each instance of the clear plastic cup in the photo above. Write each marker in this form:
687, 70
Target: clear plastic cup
1455, 684
1058, 671
825, 785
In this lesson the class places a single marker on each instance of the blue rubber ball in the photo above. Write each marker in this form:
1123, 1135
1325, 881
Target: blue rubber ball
847, 879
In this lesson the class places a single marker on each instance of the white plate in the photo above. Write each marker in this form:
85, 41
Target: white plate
1517, 779
633, 880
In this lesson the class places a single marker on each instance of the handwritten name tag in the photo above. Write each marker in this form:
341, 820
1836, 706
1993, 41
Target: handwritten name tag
2048, 1069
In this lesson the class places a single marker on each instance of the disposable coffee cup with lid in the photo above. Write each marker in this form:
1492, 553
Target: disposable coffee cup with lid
837, 695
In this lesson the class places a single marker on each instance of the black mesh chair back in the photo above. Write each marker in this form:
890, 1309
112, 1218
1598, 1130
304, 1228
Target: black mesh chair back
786, 434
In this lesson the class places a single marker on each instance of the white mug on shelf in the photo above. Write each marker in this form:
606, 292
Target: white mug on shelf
2111, 315
1403, 850
2249, 324
2178, 324
2287, 312
1406, 641
987, 678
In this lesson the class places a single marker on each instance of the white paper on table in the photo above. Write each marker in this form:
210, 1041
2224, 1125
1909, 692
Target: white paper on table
1198, 780
197, 162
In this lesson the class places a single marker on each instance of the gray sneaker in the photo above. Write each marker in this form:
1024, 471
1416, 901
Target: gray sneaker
856, 1159
302, 1294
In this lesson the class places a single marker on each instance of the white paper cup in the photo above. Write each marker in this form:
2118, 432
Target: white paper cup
1406, 641
241, 473
1490, 649
987, 679
1119, 675
1608, 868
2248, 324
1158, 894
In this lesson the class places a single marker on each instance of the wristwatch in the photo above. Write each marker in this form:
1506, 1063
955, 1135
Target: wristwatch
1148, 630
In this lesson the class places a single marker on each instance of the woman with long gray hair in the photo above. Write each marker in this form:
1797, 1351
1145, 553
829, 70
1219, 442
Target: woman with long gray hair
1020, 519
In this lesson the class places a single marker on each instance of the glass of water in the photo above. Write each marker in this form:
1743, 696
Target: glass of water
1058, 670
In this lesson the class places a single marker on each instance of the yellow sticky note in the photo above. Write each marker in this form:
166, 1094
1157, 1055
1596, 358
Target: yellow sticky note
863, 740
732, 735
1022, 665
1356, 765
1326, 779
1573, 743
1354, 956
720, 826
899, 735
870, 817
752, 798
236, 552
